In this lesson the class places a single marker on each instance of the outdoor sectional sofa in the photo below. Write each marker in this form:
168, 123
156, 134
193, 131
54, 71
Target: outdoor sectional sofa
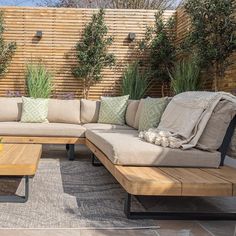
141, 168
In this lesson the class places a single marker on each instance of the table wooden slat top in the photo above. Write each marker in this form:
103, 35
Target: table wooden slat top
19, 159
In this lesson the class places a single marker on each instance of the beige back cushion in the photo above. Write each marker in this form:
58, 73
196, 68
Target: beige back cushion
64, 111
131, 112
138, 113
10, 109
89, 111
232, 148
217, 126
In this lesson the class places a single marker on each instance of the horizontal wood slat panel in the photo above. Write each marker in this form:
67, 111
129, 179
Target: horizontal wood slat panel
62, 29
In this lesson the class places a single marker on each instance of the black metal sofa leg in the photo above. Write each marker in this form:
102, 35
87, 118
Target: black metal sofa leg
70, 151
95, 161
174, 215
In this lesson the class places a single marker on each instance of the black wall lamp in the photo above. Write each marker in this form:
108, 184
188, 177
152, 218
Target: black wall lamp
39, 34
131, 36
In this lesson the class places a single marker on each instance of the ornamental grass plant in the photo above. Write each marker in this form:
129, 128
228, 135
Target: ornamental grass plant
39, 81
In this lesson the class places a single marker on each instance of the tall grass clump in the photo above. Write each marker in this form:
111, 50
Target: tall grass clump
135, 83
39, 81
185, 76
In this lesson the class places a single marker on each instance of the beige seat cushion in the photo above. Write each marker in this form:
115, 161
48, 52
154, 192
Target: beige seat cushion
10, 109
213, 135
89, 111
123, 147
41, 129
64, 111
131, 112
100, 126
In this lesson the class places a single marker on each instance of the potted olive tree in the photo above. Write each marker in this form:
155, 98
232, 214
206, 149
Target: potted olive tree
212, 35
6, 49
159, 45
92, 52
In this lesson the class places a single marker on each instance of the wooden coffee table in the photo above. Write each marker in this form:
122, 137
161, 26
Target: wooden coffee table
19, 160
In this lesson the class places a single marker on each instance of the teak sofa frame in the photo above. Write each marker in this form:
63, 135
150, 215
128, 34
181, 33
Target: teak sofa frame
160, 181
68, 141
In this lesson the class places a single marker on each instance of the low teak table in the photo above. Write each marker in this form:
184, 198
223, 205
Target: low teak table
19, 160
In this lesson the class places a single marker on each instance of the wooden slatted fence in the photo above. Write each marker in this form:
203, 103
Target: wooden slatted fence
62, 29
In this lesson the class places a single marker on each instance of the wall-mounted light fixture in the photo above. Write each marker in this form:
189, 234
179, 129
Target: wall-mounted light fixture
39, 34
131, 36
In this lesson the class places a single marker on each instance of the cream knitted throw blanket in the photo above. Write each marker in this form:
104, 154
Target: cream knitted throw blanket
185, 119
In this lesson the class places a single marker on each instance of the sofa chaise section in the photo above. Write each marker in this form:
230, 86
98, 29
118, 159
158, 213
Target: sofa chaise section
164, 181
124, 147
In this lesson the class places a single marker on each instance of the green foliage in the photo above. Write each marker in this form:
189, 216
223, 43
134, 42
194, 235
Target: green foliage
159, 42
6, 49
212, 34
185, 76
39, 81
122, 4
91, 52
142, 4
135, 83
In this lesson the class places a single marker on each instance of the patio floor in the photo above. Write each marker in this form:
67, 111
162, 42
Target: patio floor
167, 228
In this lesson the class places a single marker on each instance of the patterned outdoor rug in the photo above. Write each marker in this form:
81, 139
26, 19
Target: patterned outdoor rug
66, 194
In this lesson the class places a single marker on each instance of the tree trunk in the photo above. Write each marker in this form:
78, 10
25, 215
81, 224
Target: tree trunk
216, 77
88, 85
163, 89
84, 88
87, 93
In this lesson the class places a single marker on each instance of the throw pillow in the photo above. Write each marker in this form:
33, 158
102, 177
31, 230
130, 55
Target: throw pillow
151, 113
112, 110
34, 110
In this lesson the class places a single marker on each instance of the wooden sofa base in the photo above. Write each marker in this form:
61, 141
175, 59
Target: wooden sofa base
68, 141
176, 182
43, 140
155, 181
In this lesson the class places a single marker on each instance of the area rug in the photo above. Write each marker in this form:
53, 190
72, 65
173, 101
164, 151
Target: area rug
66, 194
